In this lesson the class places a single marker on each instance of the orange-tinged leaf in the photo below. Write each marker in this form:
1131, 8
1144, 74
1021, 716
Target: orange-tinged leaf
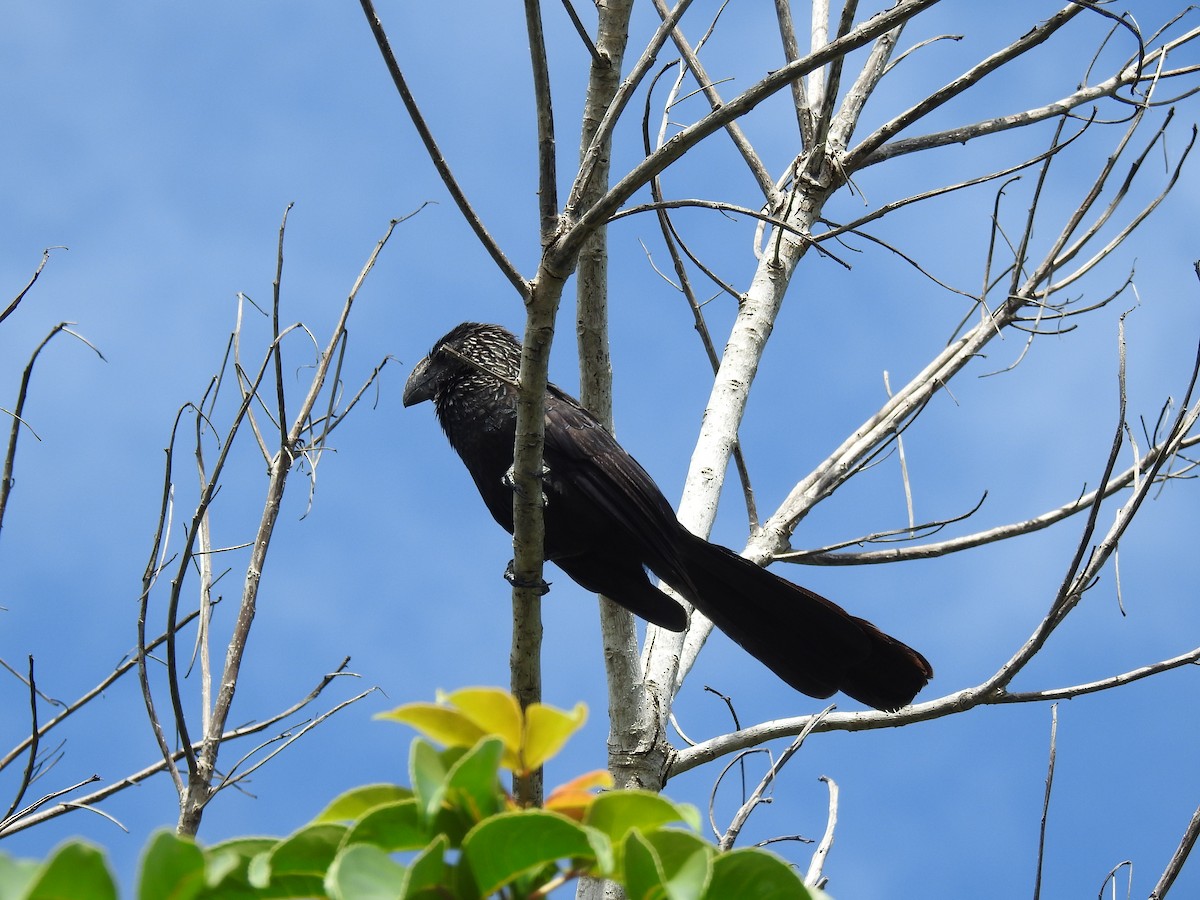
597, 778
574, 804
573, 798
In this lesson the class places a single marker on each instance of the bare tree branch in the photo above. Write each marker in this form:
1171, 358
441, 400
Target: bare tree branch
27, 776
544, 111
593, 152
1041, 849
829, 556
30, 817
1080, 575
870, 149
688, 758
16, 301
815, 876
10, 454
567, 246
436, 157
1178, 858
690, 56
630, 716
864, 155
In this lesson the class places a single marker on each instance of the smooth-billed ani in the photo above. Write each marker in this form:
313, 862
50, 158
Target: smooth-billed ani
607, 522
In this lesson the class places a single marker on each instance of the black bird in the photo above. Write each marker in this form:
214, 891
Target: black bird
607, 522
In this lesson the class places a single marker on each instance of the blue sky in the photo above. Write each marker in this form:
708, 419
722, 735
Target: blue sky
161, 144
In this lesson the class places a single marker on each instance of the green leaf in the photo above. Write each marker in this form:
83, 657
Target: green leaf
616, 812
76, 871
428, 868
671, 864
356, 803
391, 827
16, 875
227, 864
244, 847
428, 773
364, 872
473, 783
308, 852
755, 874
282, 887
529, 738
644, 878
224, 868
501, 848
687, 862
172, 868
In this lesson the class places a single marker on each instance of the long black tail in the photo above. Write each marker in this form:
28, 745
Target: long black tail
811, 643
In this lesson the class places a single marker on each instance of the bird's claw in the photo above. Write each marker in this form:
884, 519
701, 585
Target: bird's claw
510, 480
540, 585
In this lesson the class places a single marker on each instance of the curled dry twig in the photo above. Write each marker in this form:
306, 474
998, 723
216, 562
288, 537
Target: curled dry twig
743, 813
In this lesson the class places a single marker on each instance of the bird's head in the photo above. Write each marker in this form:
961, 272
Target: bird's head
471, 352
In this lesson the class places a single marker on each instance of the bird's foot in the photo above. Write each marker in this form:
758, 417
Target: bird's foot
540, 585
510, 480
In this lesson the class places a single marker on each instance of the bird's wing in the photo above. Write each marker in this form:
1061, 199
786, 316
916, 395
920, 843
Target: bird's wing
591, 462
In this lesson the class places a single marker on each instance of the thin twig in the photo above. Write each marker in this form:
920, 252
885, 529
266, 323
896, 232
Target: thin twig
1178, 858
6, 476
829, 555
691, 57
675, 245
34, 736
566, 248
1041, 849
582, 32
435, 155
281, 401
23, 820
544, 114
791, 52
16, 301
602, 135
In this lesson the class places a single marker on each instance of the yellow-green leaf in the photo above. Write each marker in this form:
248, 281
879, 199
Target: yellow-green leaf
547, 729
440, 723
494, 710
